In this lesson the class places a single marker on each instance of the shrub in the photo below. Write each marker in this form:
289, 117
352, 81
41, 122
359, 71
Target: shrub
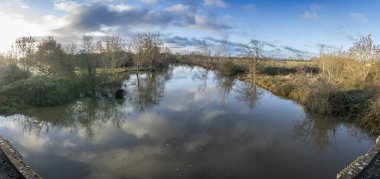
12, 73
229, 68
278, 70
38, 91
371, 119
46, 91
330, 101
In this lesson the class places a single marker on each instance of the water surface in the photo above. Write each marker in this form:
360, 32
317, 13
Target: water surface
183, 123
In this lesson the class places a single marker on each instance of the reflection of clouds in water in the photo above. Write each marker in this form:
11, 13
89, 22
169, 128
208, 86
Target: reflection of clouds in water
149, 123
119, 163
180, 100
27, 141
182, 132
209, 115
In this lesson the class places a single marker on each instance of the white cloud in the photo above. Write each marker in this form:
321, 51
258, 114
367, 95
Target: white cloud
217, 3
313, 12
17, 25
66, 6
149, 1
178, 8
53, 21
250, 7
14, 3
27, 141
121, 7
359, 17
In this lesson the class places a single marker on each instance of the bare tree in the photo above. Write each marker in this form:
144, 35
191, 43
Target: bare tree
88, 62
114, 46
25, 47
136, 45
147, 47
322, 50
87, 45
204, 48
364, 49
50, 58
70, 49
253, 51
49, 46
225, 46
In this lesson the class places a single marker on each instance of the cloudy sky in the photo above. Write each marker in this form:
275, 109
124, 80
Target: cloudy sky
288, 28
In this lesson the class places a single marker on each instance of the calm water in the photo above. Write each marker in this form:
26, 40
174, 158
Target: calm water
183, 123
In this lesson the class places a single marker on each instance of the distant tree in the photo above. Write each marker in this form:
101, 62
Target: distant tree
365, 49
147, 47
51, 58
253, 51
322, 50
204, 48
136, 45
89, 63
49, 46
113, 50
25, 47
70, 49
225, 46
87, 45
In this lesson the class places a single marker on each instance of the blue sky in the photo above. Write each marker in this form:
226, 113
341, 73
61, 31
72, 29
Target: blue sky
288, 28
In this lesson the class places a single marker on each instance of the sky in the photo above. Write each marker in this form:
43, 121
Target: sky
288, 28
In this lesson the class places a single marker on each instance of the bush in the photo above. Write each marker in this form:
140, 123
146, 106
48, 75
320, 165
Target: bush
371, 119
229, 68
330, 101
37, 91
46, 91
278, 71
12, 73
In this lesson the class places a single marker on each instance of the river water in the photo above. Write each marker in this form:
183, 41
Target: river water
185, 122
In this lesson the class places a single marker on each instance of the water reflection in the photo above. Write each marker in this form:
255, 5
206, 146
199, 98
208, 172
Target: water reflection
322, 132
224, 84
248, 93
149, 88
183, 123
87, 114
202, 76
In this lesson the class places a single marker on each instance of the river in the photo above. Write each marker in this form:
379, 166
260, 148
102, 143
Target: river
185, 122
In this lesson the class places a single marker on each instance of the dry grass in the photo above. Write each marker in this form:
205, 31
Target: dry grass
341, 87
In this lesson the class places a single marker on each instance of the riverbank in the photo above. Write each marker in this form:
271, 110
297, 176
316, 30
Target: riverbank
360, 106
244, 113
305, 82
43, 91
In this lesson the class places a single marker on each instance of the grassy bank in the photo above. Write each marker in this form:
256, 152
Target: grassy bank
344, 97
331, 85
46, 74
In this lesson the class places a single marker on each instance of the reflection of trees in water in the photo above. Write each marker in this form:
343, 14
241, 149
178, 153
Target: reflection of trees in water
224, 85
201, 75
248, 93
94, 114
321, 131
89, 114
149, 88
